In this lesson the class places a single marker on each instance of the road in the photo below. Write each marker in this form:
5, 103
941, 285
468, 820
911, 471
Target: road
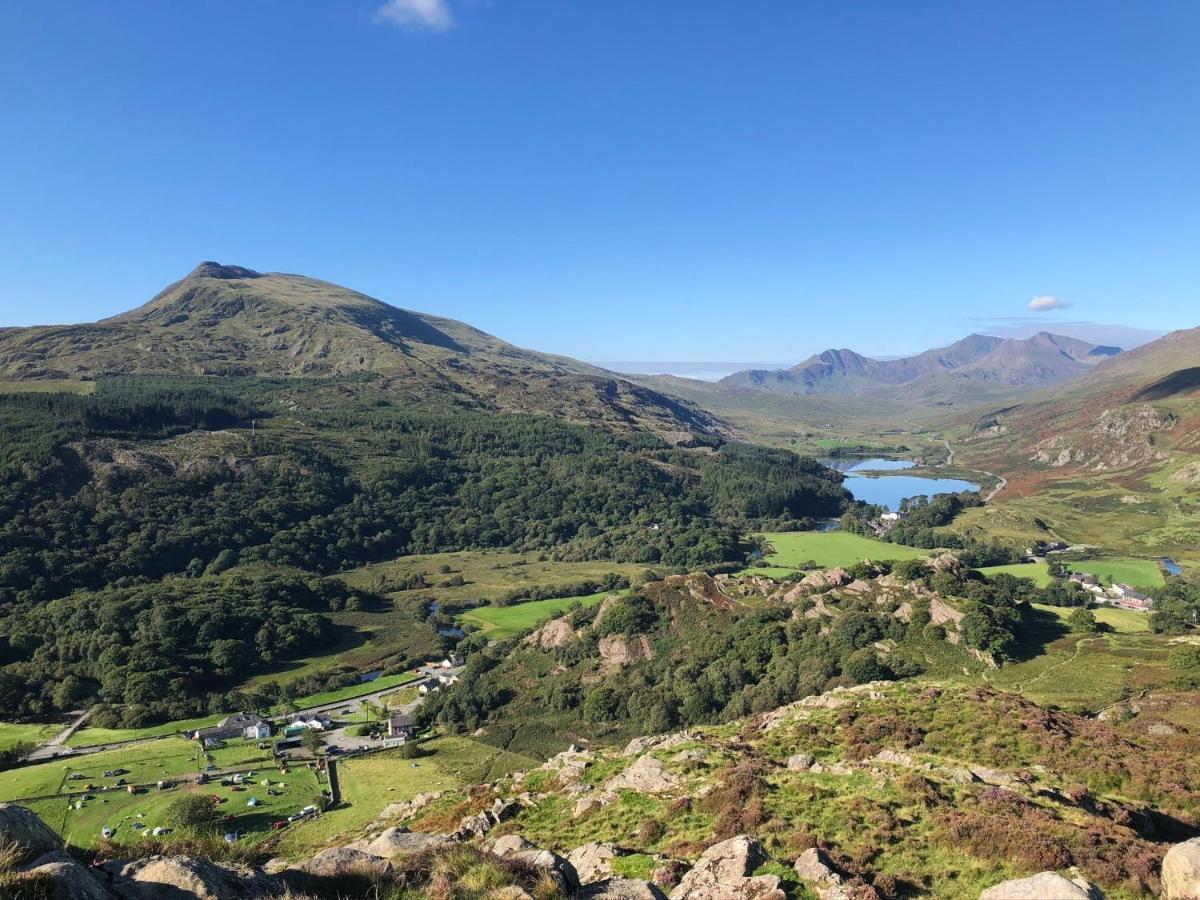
1001, 481
56, 744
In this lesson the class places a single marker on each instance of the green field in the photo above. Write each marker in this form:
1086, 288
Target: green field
146, 762
87, 737
1085, 673
829, 548
36, 733
370, 783
1141, 572
1037, 571
286, 794
500, 622
382, 683
1121, 621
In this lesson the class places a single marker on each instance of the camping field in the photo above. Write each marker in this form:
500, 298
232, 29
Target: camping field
829, 548
504, 621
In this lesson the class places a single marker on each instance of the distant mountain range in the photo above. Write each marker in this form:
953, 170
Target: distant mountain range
977, 364
229, 320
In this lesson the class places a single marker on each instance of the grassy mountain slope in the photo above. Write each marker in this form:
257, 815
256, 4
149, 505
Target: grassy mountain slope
228, 320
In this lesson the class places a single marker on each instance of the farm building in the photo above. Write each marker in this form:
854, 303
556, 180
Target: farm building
242, 725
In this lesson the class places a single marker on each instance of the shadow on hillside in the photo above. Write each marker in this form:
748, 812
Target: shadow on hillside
1038, 630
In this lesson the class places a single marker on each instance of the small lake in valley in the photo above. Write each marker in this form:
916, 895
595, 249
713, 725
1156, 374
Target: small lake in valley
876, 481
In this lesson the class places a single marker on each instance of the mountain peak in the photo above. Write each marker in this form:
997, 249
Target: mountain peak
210, 269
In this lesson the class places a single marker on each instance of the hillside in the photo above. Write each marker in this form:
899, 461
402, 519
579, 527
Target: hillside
694, 649
929, 788
970, 369
1112, 457
232, 321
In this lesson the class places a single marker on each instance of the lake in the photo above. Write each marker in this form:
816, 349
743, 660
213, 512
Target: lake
873, 481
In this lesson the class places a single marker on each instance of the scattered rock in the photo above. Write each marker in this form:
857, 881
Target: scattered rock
22, 827
67, 878
510, 844
584, 806
814, 866
620, 889
341, 862
400, 842
723, 872
593, 862
559, 869
645, 776
800, 762
167, 877
994, 777
895, 757
1181, 870
1043, 886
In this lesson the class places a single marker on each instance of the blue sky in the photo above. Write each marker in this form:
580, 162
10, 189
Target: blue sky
675, 180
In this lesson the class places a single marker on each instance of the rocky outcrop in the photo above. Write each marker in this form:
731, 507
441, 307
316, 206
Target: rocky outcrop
1181, 871
550, 864
170, 877
725, 872
818, 583
22, 827
394, 842
65, 878
343, 862
593, 862
646, 776
554, 634
617, 651
1043, 886
408, 808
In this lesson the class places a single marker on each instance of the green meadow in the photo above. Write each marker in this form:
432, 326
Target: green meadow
500, 622
793, 549
36, 733
1037, 571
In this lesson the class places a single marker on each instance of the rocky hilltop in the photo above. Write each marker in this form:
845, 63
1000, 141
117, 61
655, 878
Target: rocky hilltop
883, 790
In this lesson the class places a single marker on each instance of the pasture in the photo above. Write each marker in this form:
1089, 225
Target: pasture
369, 783
1120, 621
829, 548
12, 734
500, 622
1037, 571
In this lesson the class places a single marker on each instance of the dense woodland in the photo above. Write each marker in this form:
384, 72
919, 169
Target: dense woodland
103, 506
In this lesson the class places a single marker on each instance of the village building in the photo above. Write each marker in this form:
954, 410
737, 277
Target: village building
400, 726
242, 725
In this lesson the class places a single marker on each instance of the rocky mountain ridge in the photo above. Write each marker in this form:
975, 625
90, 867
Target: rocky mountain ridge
978, 362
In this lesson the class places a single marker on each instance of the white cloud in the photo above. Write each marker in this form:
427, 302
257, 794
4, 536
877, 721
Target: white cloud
416, 15
1046, 304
